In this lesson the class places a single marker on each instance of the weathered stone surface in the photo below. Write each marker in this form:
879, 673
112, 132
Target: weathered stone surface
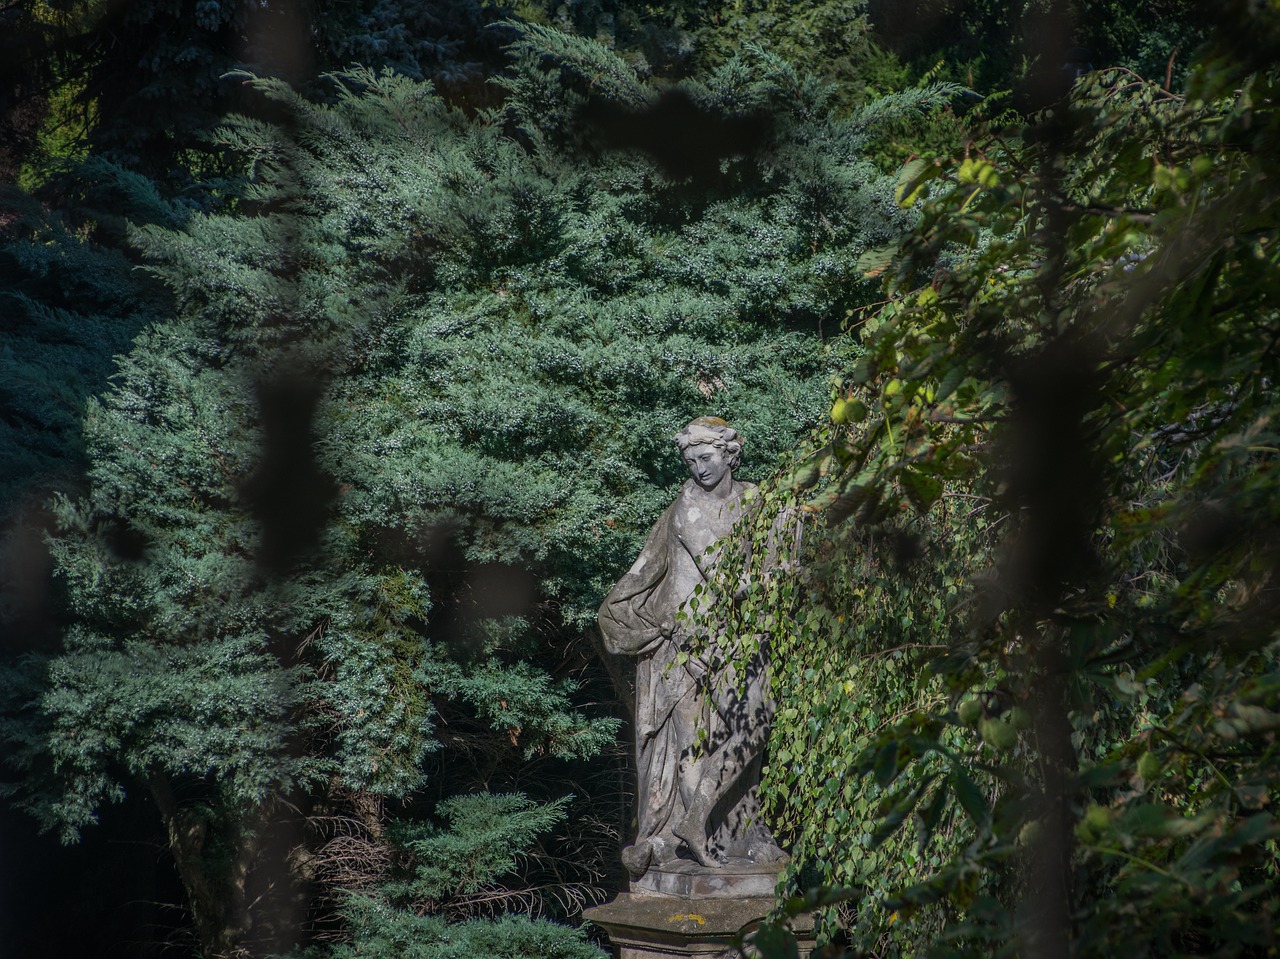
662, 927
741, 879
702, 719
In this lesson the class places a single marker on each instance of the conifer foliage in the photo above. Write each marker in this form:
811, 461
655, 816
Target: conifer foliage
352, 504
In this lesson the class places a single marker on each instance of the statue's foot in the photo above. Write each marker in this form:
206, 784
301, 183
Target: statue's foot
698, 851
636, 859
692, 829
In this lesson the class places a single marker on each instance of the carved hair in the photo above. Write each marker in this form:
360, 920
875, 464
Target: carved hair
712, 431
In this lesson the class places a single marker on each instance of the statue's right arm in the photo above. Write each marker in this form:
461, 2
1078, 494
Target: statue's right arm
626, 619
631, 642
630, 621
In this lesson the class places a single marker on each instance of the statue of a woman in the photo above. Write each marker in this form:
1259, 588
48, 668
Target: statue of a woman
697, 767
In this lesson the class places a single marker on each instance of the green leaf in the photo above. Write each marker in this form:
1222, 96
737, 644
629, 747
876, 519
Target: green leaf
912, 180
970, 798
775, 942
923, 491
949, 381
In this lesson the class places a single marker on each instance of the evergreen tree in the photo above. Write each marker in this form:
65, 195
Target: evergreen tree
142, 83
352, 503
683, 38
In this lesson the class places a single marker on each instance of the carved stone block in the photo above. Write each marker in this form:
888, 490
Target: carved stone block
664, 927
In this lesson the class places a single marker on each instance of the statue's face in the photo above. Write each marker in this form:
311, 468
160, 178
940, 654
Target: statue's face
708, 464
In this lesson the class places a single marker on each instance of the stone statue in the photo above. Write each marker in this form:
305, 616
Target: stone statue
701, 723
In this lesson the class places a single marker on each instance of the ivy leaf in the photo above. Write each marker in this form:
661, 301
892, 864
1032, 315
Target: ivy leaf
776, 942
923, 491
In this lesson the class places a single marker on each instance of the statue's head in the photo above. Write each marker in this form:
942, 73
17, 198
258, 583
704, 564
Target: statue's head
711, 448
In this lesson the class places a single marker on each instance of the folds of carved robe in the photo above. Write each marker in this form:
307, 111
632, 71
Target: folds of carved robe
667, 697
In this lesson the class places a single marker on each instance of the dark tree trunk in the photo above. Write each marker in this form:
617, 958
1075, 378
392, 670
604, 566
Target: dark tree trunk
213, 850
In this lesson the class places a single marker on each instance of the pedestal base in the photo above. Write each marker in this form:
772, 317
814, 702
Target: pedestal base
649, 926
737, 879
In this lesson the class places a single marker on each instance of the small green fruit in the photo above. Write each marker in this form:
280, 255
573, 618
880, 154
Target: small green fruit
969, 711
856, 411
840, 411
1019, 718
1097, 818
998, 734
1030, 832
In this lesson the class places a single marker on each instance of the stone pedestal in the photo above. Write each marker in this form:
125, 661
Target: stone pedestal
684, 909
688, 880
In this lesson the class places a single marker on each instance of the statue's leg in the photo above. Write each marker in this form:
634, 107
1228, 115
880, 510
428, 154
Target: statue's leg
663, 718
745, 717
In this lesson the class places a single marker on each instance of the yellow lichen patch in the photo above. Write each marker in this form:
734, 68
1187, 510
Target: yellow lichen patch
680, 917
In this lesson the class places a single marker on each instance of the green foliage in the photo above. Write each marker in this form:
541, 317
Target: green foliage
819, 37
352, 501
403, 408
73, 301
825, 39
992, 46
1065, 440
144, 83
871, 603
380, 932
486, 833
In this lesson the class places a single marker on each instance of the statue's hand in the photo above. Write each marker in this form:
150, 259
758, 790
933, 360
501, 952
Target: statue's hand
668, 627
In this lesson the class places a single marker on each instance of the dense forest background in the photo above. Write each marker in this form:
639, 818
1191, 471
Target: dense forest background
344, 345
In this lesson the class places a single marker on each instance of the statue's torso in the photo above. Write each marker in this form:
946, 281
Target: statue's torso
699, 520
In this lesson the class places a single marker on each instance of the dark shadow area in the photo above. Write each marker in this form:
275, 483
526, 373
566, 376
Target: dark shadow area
113, 895
684, 138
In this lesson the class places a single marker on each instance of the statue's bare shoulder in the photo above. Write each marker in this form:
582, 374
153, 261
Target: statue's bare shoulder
700, 519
